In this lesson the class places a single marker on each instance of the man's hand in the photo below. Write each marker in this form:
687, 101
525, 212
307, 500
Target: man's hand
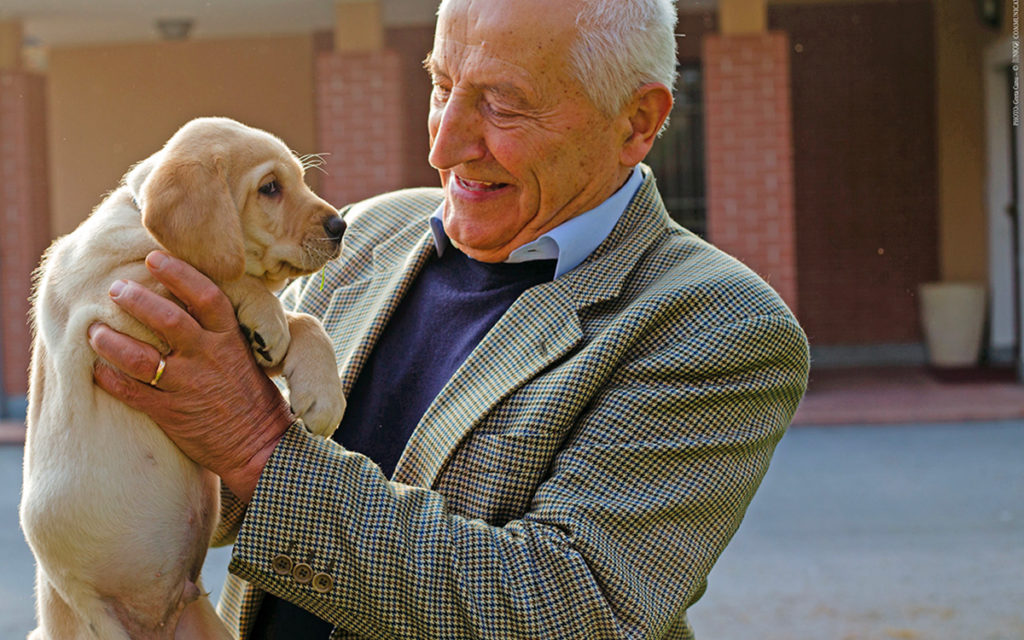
212, 399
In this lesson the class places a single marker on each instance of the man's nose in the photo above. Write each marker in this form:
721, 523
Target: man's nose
458, 137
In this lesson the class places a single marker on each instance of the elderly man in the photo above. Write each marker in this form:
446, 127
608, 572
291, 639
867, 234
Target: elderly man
560, 402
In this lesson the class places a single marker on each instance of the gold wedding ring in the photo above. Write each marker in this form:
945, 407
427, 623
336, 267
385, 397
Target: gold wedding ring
159, 372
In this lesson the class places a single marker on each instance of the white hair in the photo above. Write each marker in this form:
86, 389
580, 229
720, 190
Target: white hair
621, 46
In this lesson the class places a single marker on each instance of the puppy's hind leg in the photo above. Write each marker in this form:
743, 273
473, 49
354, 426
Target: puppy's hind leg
59, 621
56, 619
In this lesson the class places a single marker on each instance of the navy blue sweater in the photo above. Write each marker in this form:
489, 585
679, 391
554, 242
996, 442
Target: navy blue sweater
452, 304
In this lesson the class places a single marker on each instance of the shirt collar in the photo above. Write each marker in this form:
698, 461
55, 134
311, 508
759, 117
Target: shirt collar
570, 242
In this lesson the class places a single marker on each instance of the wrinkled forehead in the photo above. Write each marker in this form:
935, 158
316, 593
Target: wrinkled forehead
532, 35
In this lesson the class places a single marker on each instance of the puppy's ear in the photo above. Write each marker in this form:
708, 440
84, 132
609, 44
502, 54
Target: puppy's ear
138, 174
187, 206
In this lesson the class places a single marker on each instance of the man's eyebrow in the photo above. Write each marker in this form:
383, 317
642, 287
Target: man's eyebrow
430, 64
504, 90
508, 91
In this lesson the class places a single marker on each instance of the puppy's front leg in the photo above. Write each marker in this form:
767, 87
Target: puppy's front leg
313, 383
261, 317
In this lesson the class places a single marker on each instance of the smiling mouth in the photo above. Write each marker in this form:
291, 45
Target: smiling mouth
478, 186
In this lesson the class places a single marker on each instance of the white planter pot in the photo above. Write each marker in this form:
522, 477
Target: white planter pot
953, 318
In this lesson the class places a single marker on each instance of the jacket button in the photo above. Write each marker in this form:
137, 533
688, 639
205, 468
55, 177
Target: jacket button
302, 573
322, 583
282, 564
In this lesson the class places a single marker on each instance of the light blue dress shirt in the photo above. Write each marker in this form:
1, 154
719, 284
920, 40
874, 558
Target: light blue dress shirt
570, 242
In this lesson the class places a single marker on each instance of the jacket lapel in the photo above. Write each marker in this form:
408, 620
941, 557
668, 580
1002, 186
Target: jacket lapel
540, 328
358, 313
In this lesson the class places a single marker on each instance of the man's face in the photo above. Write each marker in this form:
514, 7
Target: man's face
519, 146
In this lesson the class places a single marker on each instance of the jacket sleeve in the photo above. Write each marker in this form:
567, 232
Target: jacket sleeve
232, 510
648, 488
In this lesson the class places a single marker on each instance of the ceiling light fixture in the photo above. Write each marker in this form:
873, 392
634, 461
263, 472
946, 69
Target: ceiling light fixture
174, 28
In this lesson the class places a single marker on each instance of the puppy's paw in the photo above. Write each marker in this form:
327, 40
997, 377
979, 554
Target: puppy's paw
267, 333
321, 412
314, 386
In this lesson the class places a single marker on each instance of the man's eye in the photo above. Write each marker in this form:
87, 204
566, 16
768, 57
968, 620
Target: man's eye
270, 189
499, 113
441, 93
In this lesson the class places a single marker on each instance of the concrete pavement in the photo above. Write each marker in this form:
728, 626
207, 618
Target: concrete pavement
912, 532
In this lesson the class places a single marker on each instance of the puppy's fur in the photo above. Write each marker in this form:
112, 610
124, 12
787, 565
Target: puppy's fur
118, 518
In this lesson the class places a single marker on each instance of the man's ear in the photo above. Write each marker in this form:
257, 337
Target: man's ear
647, 112
187, 207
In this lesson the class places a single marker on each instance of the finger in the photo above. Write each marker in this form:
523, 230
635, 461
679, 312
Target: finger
164, 317
128, 390
129, 356
204, 299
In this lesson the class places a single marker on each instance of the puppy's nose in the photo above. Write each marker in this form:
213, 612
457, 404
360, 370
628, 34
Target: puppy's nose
335, 227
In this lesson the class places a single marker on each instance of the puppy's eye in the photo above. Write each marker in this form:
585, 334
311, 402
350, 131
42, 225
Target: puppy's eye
270, 189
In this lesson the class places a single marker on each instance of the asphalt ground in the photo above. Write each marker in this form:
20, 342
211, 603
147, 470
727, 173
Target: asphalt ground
909, 532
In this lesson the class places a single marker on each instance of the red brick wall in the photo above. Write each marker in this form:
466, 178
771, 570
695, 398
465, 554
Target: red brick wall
24, 214
865, 166
750, 155
359, 124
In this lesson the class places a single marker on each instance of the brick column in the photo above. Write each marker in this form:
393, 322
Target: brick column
25, 216
749, 146
359, 124
358, 106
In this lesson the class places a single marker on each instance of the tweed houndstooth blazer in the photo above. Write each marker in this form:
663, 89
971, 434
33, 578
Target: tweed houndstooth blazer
576, 478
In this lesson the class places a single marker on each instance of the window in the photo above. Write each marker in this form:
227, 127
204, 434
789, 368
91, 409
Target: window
677, 158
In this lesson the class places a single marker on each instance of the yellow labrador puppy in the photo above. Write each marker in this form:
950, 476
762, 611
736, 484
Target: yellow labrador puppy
118, 518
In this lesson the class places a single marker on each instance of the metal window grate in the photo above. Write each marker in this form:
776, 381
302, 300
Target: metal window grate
677, 158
